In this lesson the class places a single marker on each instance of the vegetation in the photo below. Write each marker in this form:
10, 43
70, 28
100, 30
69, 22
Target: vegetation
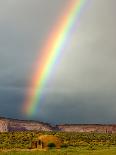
51, 145
72, 143
111, 151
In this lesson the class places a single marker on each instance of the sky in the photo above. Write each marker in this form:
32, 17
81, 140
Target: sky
82, 88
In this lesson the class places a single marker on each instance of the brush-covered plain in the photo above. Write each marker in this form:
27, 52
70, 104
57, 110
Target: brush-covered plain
19, 143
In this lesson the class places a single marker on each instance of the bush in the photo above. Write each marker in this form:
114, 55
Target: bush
51, 145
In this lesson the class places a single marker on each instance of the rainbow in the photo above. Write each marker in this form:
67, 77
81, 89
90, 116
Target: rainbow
50, 52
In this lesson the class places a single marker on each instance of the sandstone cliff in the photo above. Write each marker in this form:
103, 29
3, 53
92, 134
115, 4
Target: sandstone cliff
21, 125
98, 128
7, 125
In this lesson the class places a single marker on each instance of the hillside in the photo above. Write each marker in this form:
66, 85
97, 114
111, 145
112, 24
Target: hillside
7, 125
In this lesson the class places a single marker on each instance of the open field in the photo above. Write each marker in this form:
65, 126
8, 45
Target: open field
110, 151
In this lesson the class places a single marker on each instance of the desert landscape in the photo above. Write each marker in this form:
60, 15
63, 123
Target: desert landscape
38, 138
57, 77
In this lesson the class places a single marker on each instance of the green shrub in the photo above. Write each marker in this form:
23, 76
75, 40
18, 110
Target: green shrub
51, 145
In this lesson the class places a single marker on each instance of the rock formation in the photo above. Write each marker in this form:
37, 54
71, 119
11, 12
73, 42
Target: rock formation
3, 125
97, 128
7, 125
21, 125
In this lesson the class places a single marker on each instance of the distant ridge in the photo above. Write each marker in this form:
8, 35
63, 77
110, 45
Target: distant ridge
9, 124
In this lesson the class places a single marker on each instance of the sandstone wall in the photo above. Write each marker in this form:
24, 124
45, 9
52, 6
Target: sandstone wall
88, 128
23, 126
19, 125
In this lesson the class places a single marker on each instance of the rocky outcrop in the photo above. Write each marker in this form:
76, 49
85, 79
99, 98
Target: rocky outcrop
7, 125
3, 125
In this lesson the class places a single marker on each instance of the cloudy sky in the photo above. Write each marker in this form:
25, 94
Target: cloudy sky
82, 89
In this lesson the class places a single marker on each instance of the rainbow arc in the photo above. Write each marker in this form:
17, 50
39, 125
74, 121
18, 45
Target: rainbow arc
50, 52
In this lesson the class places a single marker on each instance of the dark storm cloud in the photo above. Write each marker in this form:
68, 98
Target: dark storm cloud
79, 109
83, 84
10, 101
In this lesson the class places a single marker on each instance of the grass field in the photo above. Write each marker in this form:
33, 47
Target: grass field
110, 151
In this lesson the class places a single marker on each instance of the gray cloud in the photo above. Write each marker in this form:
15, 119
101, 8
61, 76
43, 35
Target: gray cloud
82, 85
